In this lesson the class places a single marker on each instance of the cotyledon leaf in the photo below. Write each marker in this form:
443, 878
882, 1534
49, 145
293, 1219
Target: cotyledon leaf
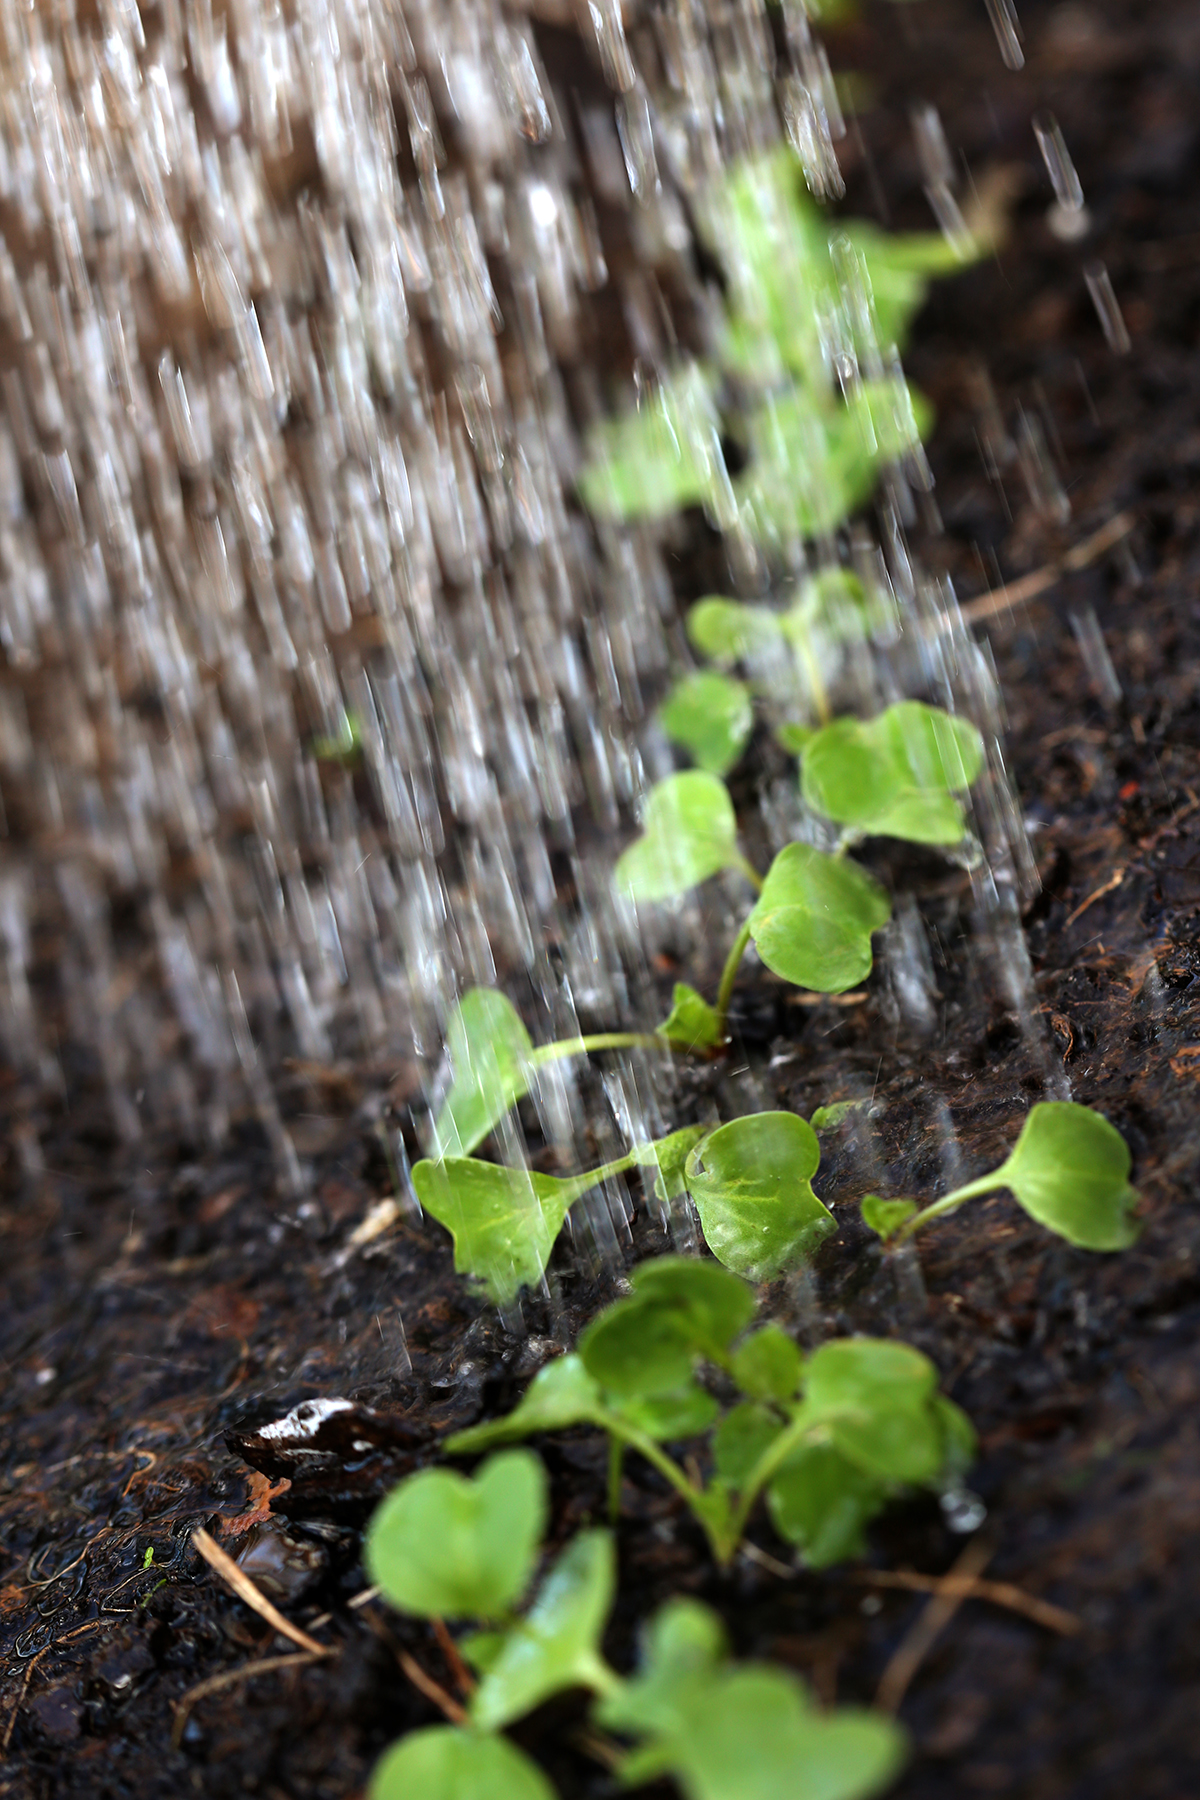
689, 832
488, 1049
751, 1181
813, 921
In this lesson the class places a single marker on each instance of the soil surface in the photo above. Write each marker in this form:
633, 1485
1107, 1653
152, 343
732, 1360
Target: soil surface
159, 1310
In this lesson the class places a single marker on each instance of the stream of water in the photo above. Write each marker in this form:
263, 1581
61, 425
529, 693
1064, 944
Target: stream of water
305, 310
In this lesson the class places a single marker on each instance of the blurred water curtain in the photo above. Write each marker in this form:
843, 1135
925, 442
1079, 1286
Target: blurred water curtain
317, 678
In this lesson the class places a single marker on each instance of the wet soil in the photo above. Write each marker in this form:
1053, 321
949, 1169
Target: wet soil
158, 1310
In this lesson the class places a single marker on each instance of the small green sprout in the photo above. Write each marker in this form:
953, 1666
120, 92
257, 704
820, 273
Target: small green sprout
751, 1182
344, 747
1069, 1170
688, 1711
895, 775
711, 715
827, 1440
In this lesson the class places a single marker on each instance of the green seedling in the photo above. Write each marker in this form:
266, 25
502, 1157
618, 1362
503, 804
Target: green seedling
802, 296
555, 1645
344, 747
751, 1181
1069, 1170
828, 1439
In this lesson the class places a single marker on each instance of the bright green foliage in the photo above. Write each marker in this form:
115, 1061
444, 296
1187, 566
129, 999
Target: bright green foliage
1069, 1169
503, 1221
689, 833
557, 1644
444, 1546
828, 1118
751, 1181
661, 457
444, 1762
668, 1156
680, 1310
813, 921
692, 1022
489, 1050
895, 775
828, 1441
744, 1732
823, 1502
711, 716
767, 1365
732, 631
886, 1216
344, 747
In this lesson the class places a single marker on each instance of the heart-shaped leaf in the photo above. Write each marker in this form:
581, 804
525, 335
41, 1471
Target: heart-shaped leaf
444, 1762
691, 1022
1069, 1169
687, 1413
886, 1216
683, 1649
731, 631
750, 1733
561, 1395
823, 1502
681, 1309
503, 1221
444, 1545
813, 921
488, 1048
557, 1644
689, 833
711, 716
895, 775
661, 456
751, 1181
875, 1398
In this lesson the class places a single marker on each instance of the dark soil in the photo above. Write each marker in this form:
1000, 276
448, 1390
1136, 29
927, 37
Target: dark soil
155, 1307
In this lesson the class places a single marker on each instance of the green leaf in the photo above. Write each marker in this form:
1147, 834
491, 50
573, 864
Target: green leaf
683, 1648
444, 1762
744, 1435
822, 1502
1069, 1169
750, 1734
681, 1309
886, 1216
875, 1398
668, 1155
828, 1118
686, 1413
557, 1644
560, 1395
689, 833
666, 454
768, 1365
691, 1022
751, 1182
444, 1545
503, 1221
733, 631
895, 775
795, 739
813, 921
711, 716
489, 1050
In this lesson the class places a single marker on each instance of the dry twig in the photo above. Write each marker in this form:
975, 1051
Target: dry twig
1000, 1593
245, 1589
1016, 593
952, 1590
295, 1659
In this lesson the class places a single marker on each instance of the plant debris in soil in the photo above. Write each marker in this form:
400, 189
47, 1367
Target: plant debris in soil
164, 1314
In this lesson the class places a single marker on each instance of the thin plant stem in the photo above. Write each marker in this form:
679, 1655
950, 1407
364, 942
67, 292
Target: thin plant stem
616, 1468
600, 1040
728, 977
669, 1469
776, 1452
949, 1203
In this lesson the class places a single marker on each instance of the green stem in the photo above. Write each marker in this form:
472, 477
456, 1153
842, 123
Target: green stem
600, 1040
986, 1184
775, 1454
670, 1471
728, 977
616, 1468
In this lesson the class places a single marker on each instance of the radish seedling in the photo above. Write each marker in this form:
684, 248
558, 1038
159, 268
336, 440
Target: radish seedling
828, 1439
556, 1644
1069, 1170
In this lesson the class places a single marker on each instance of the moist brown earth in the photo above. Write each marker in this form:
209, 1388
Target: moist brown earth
156, 1305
